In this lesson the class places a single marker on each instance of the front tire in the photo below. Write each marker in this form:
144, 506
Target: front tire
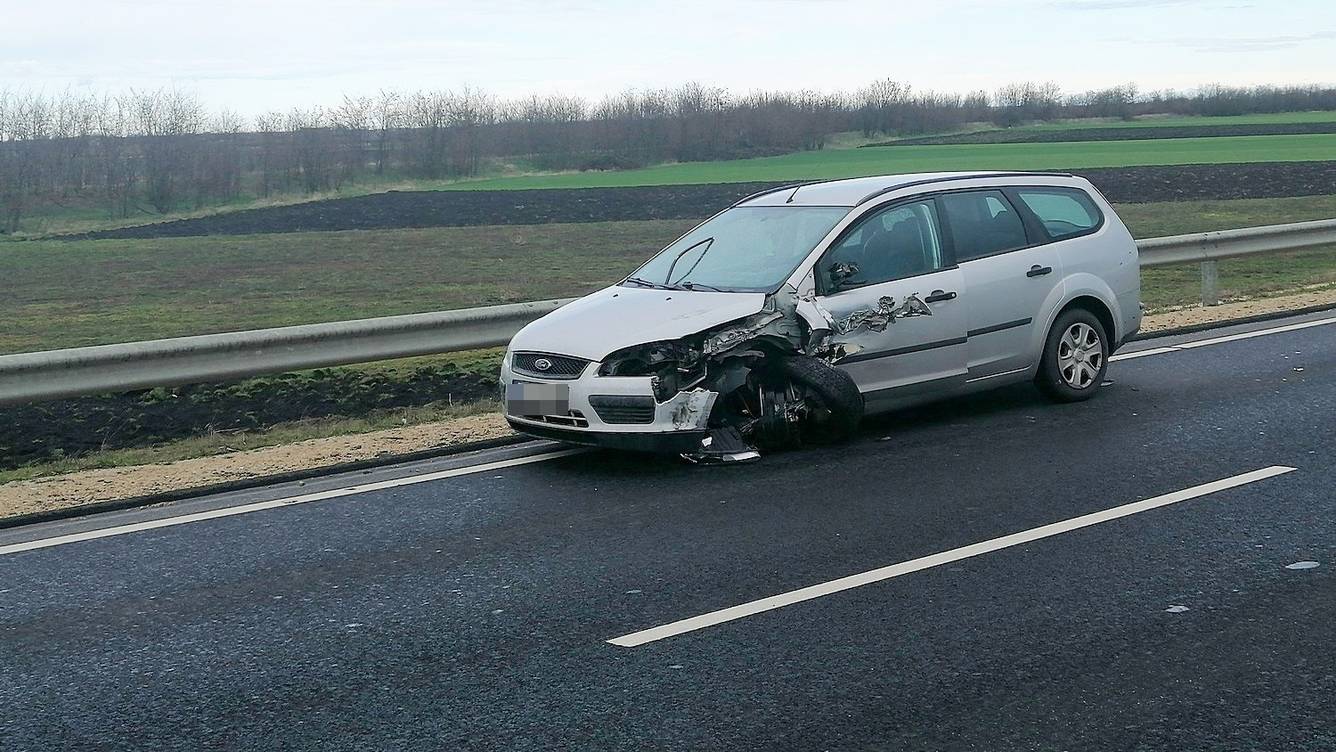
839, 404
1076, 356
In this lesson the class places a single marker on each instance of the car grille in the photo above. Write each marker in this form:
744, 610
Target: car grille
623, 409
575, 419
558, 366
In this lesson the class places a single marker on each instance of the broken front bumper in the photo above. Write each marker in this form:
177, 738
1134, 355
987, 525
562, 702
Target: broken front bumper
611, 411
669, 442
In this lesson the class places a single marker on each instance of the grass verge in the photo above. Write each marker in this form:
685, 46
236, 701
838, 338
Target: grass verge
71, 294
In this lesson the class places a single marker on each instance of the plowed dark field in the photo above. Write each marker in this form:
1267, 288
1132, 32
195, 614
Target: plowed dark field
528, 207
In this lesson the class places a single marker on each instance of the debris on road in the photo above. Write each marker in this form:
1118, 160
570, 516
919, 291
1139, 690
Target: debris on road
1302, 565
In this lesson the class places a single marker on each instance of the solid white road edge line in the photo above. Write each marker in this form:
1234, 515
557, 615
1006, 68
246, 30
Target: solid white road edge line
288, 501
935, 560
1220, 340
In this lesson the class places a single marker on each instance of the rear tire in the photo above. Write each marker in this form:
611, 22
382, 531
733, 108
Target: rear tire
1075, 359
840, 404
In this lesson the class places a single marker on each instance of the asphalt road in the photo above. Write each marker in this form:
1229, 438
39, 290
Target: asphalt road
473, 610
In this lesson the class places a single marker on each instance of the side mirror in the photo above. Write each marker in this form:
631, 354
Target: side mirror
840, 272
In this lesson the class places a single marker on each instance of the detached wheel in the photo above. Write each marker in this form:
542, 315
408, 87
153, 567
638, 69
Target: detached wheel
1076, 355
835, 406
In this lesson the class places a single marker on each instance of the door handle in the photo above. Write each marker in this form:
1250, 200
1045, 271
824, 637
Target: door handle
938, 295
1038, 271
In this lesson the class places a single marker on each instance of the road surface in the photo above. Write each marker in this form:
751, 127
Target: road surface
1134, 572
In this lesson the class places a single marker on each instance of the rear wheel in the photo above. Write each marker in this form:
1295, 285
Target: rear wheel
1076, 356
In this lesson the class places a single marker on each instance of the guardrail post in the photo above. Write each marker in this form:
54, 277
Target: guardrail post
1210, 283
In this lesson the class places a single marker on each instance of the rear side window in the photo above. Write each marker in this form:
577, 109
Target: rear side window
1063, 211
983, 223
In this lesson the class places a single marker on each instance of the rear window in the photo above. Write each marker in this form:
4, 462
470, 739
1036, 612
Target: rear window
1062, 211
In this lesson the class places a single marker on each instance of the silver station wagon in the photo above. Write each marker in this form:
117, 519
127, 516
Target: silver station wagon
787, 317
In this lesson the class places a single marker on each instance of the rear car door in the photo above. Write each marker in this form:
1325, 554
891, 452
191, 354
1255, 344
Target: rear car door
892, 254
1010, 274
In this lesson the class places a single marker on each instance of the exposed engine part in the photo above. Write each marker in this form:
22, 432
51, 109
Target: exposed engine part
780, 413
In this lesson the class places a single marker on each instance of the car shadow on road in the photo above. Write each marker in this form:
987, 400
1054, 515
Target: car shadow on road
955, 409
899, 424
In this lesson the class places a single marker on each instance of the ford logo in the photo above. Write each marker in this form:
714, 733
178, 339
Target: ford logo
542, 364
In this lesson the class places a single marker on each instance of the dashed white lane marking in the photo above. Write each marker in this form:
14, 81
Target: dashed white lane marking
1221, 340
935, 560
287, 501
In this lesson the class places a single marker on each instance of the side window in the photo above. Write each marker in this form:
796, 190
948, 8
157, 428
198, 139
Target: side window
983, 223
898, 242
1062, 211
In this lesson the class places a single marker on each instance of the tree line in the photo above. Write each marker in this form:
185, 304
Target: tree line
165, 151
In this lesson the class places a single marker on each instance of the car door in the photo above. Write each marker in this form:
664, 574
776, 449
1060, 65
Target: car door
892, 254
1010, 274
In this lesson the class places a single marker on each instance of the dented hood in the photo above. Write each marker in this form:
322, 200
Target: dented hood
601, 323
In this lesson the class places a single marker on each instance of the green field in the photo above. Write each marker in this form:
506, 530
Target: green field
845, 163
837, 161
1160, 121
68, 294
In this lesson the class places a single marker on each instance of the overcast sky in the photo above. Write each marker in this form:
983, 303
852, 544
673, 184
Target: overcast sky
256, 55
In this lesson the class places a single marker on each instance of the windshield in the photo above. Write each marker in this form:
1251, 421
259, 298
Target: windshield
745, 249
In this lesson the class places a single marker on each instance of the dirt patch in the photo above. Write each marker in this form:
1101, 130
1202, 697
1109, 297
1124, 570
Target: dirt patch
1238, 309
108, 484
542, 206
74, 489
1004, 136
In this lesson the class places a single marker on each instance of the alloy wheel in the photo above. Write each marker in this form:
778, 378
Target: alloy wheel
1080, 356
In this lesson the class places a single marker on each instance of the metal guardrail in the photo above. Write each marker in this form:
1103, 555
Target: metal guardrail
1213, 246
32, 377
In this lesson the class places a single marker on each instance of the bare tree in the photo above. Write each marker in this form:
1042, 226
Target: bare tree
162, 119
160, 149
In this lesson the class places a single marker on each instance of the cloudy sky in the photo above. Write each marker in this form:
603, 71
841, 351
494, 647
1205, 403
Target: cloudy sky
256, 55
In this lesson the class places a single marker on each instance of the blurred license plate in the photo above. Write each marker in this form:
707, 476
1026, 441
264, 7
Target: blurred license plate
538, 399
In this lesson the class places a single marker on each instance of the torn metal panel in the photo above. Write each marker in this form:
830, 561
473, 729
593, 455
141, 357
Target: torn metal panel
691, 410
883, 314
776, 319
814, 314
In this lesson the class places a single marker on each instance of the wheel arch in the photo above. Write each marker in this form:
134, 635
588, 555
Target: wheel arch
1100, 310
1093, 294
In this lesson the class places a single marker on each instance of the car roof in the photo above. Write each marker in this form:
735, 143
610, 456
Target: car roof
854, 191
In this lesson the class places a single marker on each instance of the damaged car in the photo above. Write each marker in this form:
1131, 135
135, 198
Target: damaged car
789, 316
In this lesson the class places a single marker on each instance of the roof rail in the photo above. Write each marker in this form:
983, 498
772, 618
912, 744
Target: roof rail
776, 189
973, 176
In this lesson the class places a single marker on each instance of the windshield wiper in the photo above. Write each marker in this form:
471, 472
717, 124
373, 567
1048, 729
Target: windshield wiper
707, 242
698, 286
647, 283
